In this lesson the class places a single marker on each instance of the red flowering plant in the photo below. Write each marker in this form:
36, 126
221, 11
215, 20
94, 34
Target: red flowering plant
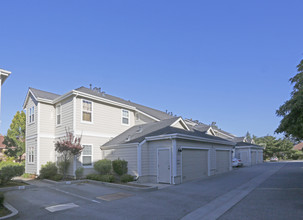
68, 147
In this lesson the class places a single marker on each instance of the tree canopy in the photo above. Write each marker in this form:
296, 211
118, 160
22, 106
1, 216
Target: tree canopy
292, 110
15, 138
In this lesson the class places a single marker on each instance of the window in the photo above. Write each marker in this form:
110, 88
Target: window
87, 111
87, 158
31, 115
58, 114
30, 154
125, 117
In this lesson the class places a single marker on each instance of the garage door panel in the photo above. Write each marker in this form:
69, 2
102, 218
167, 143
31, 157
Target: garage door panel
194, 164
223, 159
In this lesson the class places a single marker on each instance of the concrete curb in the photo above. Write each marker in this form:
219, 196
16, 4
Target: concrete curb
114, 185
11, 208
6, 189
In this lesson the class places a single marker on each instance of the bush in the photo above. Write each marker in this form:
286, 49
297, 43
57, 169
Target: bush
1, 198
79, 172
8, 171
120, 166
48, 170
103, 178
63, 166
103, 166
126, 178
57, 177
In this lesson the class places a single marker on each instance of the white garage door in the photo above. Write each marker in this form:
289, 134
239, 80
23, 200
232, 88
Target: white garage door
194, 164
253, 157
223, 158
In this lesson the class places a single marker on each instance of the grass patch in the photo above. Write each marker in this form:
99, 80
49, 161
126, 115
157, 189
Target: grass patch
13, 183
4, 211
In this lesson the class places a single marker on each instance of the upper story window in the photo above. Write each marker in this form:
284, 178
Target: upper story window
87, 111
58, 114
125, 117
31, 118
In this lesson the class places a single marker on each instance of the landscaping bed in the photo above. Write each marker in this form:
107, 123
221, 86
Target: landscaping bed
4, 211
12, 183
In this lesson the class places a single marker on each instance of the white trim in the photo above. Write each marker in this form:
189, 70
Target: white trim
174, 161
130, 145
56, 113
38, 138
74, 113
128, 112
139, 158
182, 122
147, 115
94, 134
92, 112
169, 154
92, 147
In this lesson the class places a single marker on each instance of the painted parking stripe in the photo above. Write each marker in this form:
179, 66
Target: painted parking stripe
61, 207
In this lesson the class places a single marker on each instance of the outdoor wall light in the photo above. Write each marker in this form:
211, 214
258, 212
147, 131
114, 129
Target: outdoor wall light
180, 150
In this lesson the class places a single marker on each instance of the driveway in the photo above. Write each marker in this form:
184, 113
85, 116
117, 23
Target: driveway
100, 202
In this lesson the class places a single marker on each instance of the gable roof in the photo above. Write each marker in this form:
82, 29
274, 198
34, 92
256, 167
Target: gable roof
138, 133
298, 146
150, 111
39, 94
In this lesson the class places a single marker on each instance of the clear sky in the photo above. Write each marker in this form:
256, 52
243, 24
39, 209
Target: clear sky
222, 61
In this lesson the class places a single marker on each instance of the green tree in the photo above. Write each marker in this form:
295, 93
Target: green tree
15, 138
291, 124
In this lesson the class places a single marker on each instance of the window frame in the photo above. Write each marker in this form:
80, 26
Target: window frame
91, 155
31, 155
83, 121
31, 117
122, 116
60, 109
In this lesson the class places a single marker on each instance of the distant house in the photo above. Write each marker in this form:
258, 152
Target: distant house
157, 146
3, 76
298, 146
2, 146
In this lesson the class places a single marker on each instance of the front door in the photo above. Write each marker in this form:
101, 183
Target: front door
163, 166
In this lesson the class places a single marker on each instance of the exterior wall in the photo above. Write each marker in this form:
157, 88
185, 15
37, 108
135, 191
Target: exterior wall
47, 151
143, 119
47, 120
67, 118
31, 167
107, 120
128, 153
245, 154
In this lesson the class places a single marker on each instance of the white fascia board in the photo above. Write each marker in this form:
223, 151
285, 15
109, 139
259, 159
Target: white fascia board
250, 146
119, 146
147, 115
27, 97
189, 137
182, 122
5, 74
60, 98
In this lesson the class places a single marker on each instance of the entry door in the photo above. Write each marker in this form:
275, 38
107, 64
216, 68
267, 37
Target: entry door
163, 166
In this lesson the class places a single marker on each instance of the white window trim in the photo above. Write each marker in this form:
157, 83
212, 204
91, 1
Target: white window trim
31, 149
30, 118
125, 117
92, 155
92, 112
60, 107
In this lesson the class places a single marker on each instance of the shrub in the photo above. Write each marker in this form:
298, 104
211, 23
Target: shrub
103, 178
57, 177
120, 166
126, 178
8, 171
63, 166
48, 170
103, 166
1, 198
79, 172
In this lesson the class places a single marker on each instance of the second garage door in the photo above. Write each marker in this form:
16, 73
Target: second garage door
223, 159
194, 164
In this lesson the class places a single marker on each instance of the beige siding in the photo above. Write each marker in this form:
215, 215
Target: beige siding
145, 169
124, 153
31, 129
31, 168
107, 120
178, 125
47, 119
47, 151
66, 117
143, 119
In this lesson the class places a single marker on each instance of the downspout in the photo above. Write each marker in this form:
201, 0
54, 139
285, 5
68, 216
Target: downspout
74, 131
139, 158
174, 159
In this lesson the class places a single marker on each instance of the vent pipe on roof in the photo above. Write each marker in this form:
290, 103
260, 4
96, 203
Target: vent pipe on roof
90, 86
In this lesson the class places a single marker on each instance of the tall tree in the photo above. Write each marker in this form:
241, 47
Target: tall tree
292, 110
15, 137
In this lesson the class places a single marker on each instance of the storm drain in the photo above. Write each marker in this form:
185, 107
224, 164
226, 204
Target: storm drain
61, 207
115, 196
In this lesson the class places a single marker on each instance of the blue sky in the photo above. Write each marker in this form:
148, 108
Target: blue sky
222, 61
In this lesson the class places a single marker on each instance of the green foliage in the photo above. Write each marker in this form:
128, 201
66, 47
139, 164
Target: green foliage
8, 170
126, 178
120, 166
27, 175
1, 198
79, 172
103, 178
48, 170
63, 166
57, 177
281, 148
15, 138
291, 124
103, 166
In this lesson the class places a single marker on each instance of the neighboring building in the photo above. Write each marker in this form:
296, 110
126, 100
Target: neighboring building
111, 127
3, 76
298, 146
250, 154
